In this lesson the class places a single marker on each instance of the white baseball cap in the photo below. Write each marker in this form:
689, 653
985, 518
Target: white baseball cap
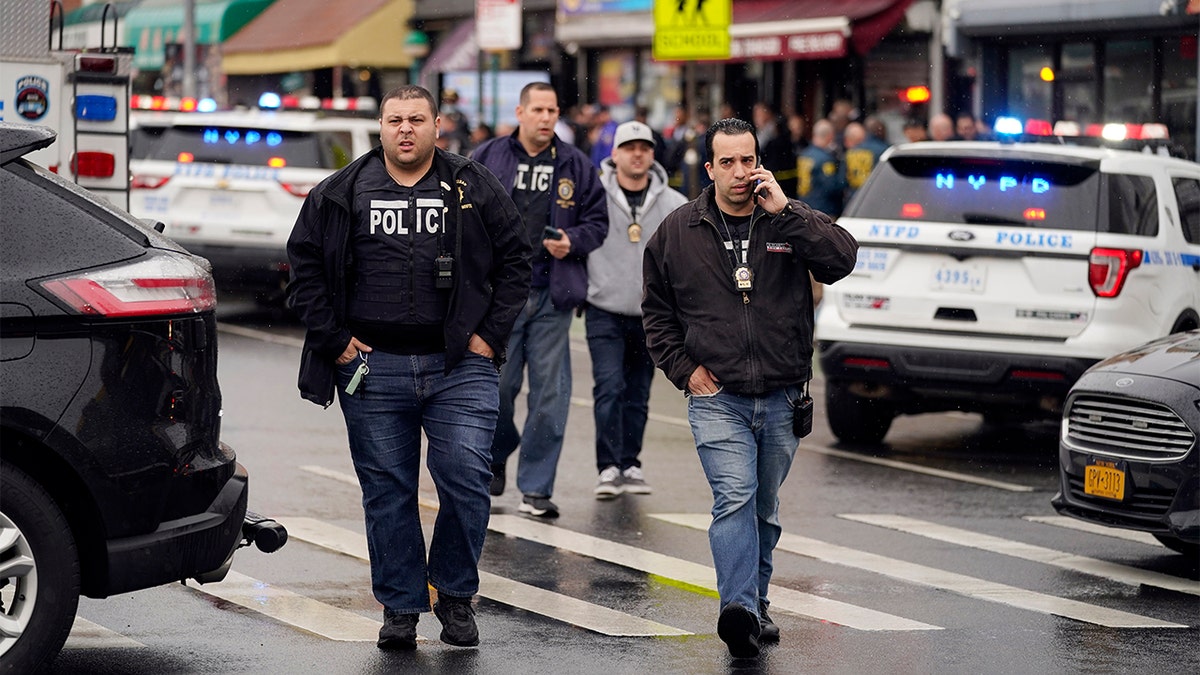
632, 131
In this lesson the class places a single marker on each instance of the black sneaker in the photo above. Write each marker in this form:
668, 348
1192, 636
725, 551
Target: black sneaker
496, 487
399, 631
739, 628
540, 507
768, 632
458, 621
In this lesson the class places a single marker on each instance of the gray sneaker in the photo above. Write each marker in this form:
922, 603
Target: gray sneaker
608, 486
634, 481
540, 507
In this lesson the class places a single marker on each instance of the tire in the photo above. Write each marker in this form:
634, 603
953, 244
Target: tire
39, 574
854, 419
1178, 545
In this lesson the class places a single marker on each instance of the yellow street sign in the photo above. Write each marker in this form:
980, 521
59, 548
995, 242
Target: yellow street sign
692, 30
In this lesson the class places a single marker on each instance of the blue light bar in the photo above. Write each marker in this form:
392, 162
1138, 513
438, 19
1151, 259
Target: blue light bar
206, 105
269, 100
95, 108
1009, 126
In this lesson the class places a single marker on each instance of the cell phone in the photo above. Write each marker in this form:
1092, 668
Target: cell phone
551, 233
758, 195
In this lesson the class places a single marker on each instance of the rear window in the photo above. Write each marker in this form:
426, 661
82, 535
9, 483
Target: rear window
982, 191
223, 144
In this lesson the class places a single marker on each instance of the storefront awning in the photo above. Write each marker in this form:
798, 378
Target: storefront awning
82, 27
987, 17
810, 29
154, 24
295, 35
761, 29
456, 50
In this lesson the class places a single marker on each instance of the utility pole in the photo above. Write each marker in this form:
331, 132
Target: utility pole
189, 48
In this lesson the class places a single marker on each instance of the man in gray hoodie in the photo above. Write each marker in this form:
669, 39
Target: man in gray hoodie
638, 200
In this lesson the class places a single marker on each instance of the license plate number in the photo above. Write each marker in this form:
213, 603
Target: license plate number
970, 278
1102, 480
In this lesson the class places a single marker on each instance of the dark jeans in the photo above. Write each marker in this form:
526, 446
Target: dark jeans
401, 397
539, 341
622, 370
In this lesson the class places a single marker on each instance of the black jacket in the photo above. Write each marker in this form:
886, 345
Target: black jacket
752, 342
491, 266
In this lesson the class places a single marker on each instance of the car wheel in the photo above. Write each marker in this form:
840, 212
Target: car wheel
39, 574
854, 419
1178, 545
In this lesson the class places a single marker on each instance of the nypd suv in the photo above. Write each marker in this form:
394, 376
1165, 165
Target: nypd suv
992, 275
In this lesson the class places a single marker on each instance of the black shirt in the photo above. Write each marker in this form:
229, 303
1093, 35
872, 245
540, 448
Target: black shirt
531, 192
394, 304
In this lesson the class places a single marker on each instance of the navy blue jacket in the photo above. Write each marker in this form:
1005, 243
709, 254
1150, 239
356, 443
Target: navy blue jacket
821, 180
579, 208
491, 267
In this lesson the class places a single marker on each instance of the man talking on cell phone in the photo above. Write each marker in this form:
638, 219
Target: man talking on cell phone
728, 313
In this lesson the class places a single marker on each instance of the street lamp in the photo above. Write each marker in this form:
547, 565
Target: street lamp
416, 45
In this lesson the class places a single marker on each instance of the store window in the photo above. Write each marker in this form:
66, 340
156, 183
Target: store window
1030, 83
1179, 89
1129, 81
1077, 77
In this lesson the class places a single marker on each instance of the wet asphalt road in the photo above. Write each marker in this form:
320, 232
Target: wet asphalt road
931, 553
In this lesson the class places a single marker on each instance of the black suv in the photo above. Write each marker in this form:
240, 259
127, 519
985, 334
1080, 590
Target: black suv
112, 475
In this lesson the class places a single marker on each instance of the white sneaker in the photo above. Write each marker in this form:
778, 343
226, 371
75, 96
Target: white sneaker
634, 481
608, 485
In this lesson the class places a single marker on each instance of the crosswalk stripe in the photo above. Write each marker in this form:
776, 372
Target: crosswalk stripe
1093, 528
950, 581
915, 468
283, 605
87, 635
564, 608
697, 575
1100, 568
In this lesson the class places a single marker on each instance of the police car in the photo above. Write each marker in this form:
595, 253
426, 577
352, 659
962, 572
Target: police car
228, 185
990, 276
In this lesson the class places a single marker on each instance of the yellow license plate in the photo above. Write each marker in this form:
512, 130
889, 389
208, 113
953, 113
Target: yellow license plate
1104, 481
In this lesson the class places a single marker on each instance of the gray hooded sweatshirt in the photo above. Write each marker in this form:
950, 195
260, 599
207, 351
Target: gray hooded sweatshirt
615, 269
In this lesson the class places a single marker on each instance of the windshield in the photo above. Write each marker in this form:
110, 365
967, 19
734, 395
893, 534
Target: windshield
982, 191
223, 144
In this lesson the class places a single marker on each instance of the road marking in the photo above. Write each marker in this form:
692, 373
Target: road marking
523, 596
262, 335
916, 468
1100, 568
697, 575
1093, 528
665, 419
942, 579
351, 479
293, 609
87, 635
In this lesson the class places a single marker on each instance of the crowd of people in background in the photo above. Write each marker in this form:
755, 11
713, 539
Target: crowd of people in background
823, 162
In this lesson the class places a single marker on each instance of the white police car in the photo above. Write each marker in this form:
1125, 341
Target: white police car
991, 275
228, 185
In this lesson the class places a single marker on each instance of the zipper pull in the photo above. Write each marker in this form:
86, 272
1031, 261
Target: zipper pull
745, 298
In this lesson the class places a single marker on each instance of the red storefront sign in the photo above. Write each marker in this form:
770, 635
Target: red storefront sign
822, 45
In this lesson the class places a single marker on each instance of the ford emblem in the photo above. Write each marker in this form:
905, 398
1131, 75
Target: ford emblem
961, 235
1124, 382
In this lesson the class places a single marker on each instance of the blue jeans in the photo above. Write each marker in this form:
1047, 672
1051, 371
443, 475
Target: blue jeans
539, 340
746, 447
400, 397
622, 371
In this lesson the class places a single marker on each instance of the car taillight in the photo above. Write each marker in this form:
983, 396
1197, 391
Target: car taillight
297, 189
1108, 267
161, 284
148, 182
